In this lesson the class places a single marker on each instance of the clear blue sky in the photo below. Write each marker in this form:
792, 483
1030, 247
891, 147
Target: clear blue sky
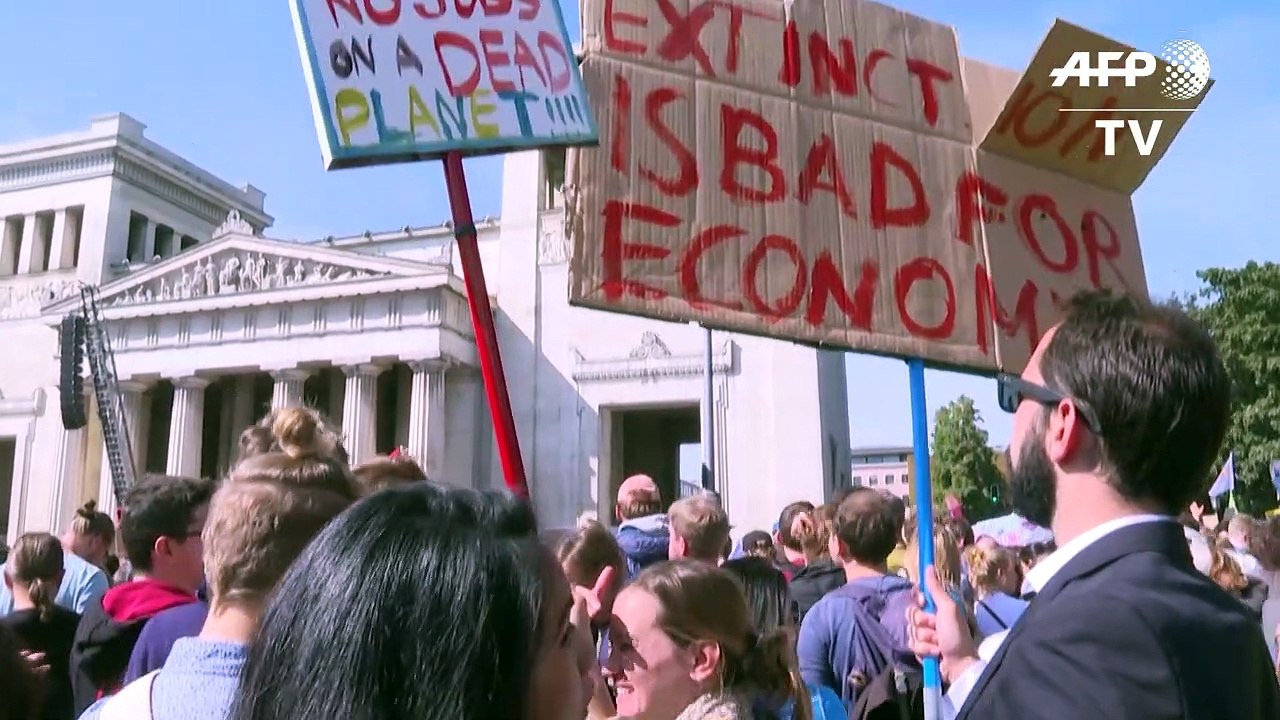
221, 83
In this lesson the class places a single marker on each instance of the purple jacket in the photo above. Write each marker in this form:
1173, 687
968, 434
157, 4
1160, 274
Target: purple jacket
160, 633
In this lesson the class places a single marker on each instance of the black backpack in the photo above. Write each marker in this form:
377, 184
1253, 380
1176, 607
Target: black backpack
895, 694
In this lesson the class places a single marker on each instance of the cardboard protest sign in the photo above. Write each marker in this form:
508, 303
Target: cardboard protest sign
810, 171
1054, 128
395, 81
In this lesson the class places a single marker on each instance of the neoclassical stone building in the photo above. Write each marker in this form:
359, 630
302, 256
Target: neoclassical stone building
213, 323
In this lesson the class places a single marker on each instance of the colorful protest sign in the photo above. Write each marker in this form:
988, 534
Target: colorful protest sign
815, 171
394, 80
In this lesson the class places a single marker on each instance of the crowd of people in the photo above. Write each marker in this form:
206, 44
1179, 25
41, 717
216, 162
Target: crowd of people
300, 587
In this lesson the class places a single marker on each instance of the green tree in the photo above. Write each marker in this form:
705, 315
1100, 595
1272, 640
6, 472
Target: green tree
1241, 308
963, 463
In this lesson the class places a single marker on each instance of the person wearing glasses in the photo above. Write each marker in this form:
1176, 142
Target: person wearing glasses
1118, 416
160, 528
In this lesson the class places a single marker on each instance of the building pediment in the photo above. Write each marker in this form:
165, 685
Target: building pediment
650, 360
235, 264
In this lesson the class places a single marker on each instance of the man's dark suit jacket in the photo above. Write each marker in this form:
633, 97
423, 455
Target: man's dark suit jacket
1129, 629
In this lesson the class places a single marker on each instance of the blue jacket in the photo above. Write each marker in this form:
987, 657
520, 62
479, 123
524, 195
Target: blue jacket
644, 542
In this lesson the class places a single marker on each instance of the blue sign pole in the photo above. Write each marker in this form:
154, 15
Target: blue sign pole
924, 523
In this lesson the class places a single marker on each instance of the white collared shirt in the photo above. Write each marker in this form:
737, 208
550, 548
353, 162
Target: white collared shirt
1037, 578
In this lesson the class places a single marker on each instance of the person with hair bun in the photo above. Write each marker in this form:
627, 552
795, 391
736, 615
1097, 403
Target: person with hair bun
685, 647
303, 452
86, 543
820, 574
254, 532
33, 573
264, 436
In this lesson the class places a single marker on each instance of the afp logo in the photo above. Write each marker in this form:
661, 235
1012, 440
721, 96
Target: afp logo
1186, 72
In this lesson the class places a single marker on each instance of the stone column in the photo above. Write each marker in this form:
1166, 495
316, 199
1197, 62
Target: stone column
360, 411
287, 391
186, 427
27, 249
67, 473
132, 396
426, 415
58, 241
10, 247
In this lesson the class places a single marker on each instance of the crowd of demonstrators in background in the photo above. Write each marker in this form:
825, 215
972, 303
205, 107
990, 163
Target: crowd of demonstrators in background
299, 587
1222, 551
87, 545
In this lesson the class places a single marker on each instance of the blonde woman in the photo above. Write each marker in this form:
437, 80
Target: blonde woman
996, 576
946, 559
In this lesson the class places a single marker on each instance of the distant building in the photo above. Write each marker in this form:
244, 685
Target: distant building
893, 468
883, 468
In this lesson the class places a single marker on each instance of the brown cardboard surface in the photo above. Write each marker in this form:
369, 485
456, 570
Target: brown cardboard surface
989, 86
1052, 236
1032, 129
814, 177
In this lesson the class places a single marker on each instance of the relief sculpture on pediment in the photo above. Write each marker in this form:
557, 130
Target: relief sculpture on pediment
239, 272
26, 301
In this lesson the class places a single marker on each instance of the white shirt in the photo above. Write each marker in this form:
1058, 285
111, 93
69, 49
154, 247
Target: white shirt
1037, 577
1248, 564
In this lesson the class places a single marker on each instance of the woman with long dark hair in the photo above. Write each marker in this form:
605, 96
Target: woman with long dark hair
422, 602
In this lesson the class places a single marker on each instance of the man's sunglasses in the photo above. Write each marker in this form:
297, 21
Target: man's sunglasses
1012, 390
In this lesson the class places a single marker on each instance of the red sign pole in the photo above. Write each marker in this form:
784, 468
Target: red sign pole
495, 383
